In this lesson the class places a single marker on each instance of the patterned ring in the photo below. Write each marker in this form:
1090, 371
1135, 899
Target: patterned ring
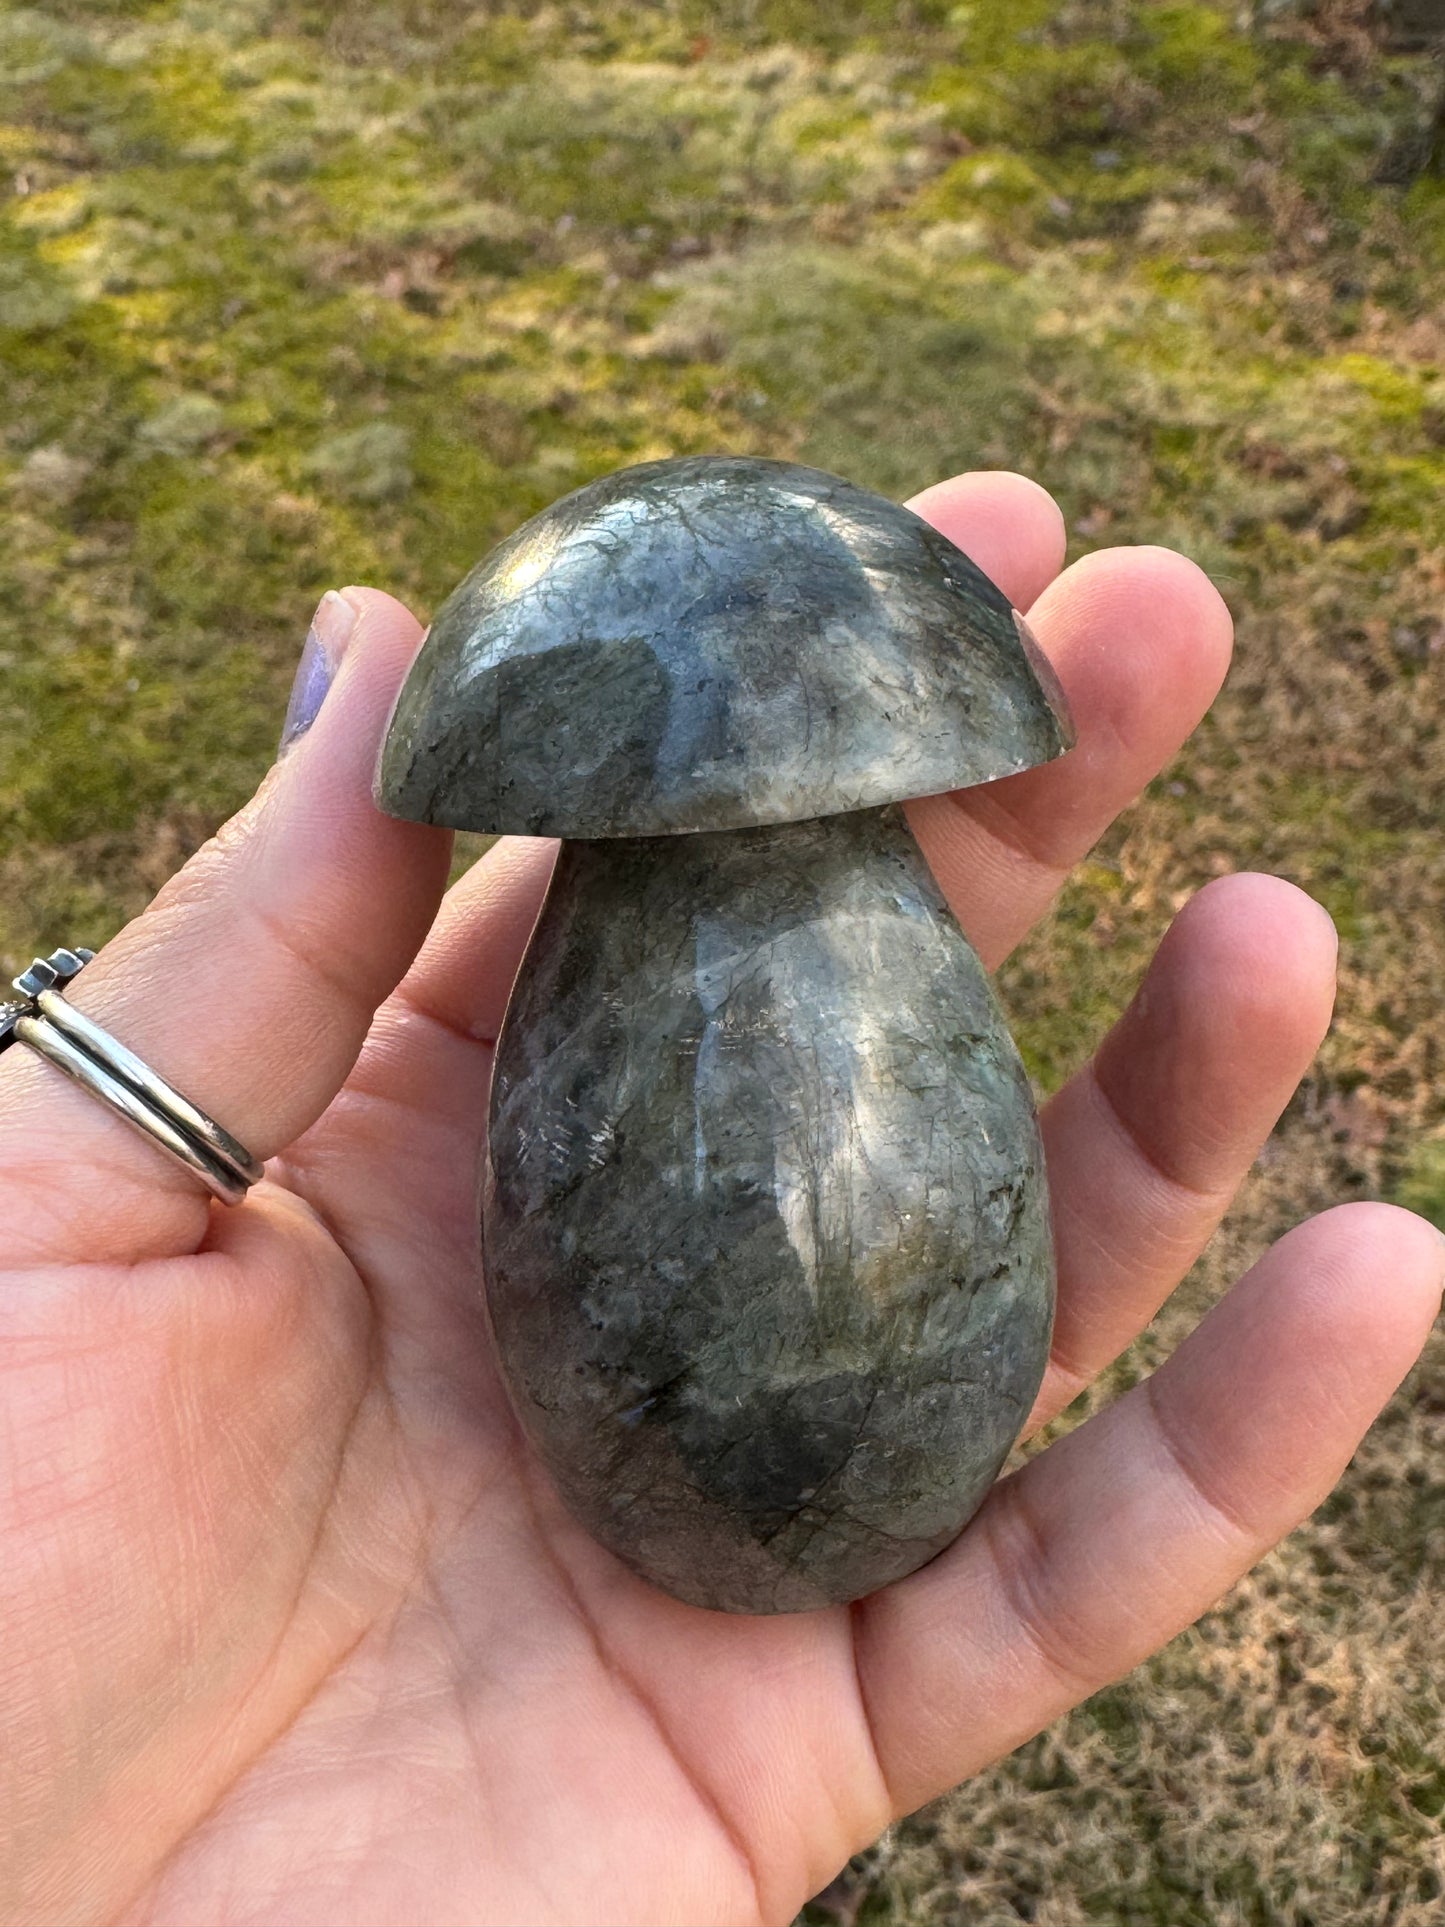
126, 1085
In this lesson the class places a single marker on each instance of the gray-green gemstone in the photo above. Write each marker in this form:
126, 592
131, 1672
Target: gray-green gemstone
709, 643
766, 1235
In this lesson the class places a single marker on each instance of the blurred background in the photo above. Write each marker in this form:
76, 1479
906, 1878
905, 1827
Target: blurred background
294, 295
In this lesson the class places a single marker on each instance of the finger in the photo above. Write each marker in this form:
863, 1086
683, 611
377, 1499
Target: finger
1147, 1145
427, 1060
1141, 641
411, 1123
1013, 529
462, 976
249, 983
1123, 1533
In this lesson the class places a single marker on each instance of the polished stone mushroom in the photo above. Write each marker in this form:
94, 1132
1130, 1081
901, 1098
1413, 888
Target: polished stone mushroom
766, 1235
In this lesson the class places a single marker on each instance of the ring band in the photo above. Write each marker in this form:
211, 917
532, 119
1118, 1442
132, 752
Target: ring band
102, 1065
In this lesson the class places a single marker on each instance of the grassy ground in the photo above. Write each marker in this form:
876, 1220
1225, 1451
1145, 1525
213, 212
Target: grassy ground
292, 295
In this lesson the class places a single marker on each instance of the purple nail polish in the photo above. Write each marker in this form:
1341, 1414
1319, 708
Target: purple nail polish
326, 642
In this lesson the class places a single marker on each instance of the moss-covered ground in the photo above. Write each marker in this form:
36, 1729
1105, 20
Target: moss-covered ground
293, 295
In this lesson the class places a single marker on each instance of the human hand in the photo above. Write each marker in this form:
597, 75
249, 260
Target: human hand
295, 1630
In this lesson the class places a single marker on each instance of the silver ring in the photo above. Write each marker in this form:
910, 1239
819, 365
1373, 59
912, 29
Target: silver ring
102, 1065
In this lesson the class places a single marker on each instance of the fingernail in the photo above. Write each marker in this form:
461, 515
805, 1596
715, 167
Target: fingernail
326, 642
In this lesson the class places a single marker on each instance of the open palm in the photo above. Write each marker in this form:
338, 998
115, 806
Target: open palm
294, 1628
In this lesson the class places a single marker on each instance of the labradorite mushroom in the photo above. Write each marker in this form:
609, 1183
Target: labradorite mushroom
765, 1227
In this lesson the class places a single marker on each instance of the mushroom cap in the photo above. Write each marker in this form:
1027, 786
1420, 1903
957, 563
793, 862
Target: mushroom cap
711, 643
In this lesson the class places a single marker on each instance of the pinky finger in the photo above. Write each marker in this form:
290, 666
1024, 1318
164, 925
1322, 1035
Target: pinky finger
1123, 1533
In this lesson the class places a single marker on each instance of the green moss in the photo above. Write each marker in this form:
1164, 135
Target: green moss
1398, 393
1421, 1186
993, 181
36, 48
370, 464
1061, 1006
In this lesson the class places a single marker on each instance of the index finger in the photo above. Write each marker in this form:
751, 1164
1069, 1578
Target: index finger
1141, 641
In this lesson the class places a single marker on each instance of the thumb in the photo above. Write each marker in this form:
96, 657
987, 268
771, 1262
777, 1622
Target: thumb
251, 980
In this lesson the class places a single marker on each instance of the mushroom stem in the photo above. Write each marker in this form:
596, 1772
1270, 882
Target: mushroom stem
766, 1235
